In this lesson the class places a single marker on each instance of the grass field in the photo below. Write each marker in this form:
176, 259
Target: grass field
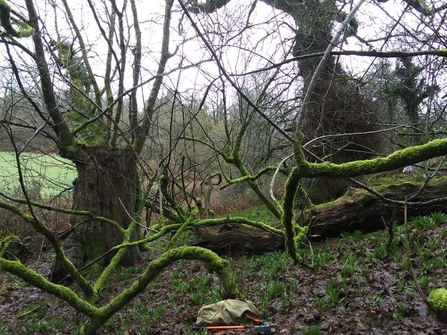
44, 175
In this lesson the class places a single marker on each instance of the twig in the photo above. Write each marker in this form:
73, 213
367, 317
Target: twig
274, 177
427, 179
397, 202
29, 312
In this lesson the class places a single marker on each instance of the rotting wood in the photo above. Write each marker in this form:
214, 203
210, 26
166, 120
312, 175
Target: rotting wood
238, 239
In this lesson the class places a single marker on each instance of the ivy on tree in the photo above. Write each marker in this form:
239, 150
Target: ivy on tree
5, 20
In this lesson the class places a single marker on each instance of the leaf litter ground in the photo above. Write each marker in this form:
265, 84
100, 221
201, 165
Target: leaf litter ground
355, 287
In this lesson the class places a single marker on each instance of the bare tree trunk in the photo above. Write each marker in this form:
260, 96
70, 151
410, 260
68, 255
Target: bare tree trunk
335, 105
106, 186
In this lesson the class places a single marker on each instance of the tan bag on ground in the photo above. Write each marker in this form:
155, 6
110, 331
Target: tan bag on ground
228, 312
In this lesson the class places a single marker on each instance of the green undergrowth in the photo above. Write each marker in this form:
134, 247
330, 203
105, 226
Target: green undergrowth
367, 275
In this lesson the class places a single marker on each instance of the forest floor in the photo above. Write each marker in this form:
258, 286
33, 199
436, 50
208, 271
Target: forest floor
357, 286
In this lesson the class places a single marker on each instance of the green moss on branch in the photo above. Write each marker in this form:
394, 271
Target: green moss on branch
398, 159
211, 222
5, 19
98, 316
40, 227
31, 277
211, 260
291, 187
108, 270
184, 226
6, 242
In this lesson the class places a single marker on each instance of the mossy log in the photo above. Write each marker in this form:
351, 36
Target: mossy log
356, 210
361, 210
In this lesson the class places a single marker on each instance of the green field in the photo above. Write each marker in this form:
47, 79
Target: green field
44, 175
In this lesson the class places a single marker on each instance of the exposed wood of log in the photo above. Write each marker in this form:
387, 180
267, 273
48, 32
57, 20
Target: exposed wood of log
237, 239
356, 210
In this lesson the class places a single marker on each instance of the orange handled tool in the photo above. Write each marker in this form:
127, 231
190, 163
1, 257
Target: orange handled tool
225, 327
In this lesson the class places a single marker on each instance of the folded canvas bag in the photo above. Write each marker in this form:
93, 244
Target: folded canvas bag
228, 312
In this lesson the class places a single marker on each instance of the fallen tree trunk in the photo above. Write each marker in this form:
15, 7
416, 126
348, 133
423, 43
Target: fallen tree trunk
356, 210
238, 239
360, 210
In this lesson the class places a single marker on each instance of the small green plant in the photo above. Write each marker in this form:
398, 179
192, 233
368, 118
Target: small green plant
183, 286
373, 239
177, 274
358, 287
197, 297
440, 262
439, 218
39, 326
347, 270
322, 258
141, 313
121, 273
393, 247
377, 298
357, 235
378, 253
397, 257
320, 303
270, 290
57, 323
34, 320
371, 322
409, 295
158, 312
135, 269
424, 281
294, 286
333, 294
406, 264
346, 236
274, 289
397, 316
433, 244
366, 273
311, 331
428, 266
326, 256
423, 222
348, 257
259, 213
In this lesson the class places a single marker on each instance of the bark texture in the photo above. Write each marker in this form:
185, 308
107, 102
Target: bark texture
106, 186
